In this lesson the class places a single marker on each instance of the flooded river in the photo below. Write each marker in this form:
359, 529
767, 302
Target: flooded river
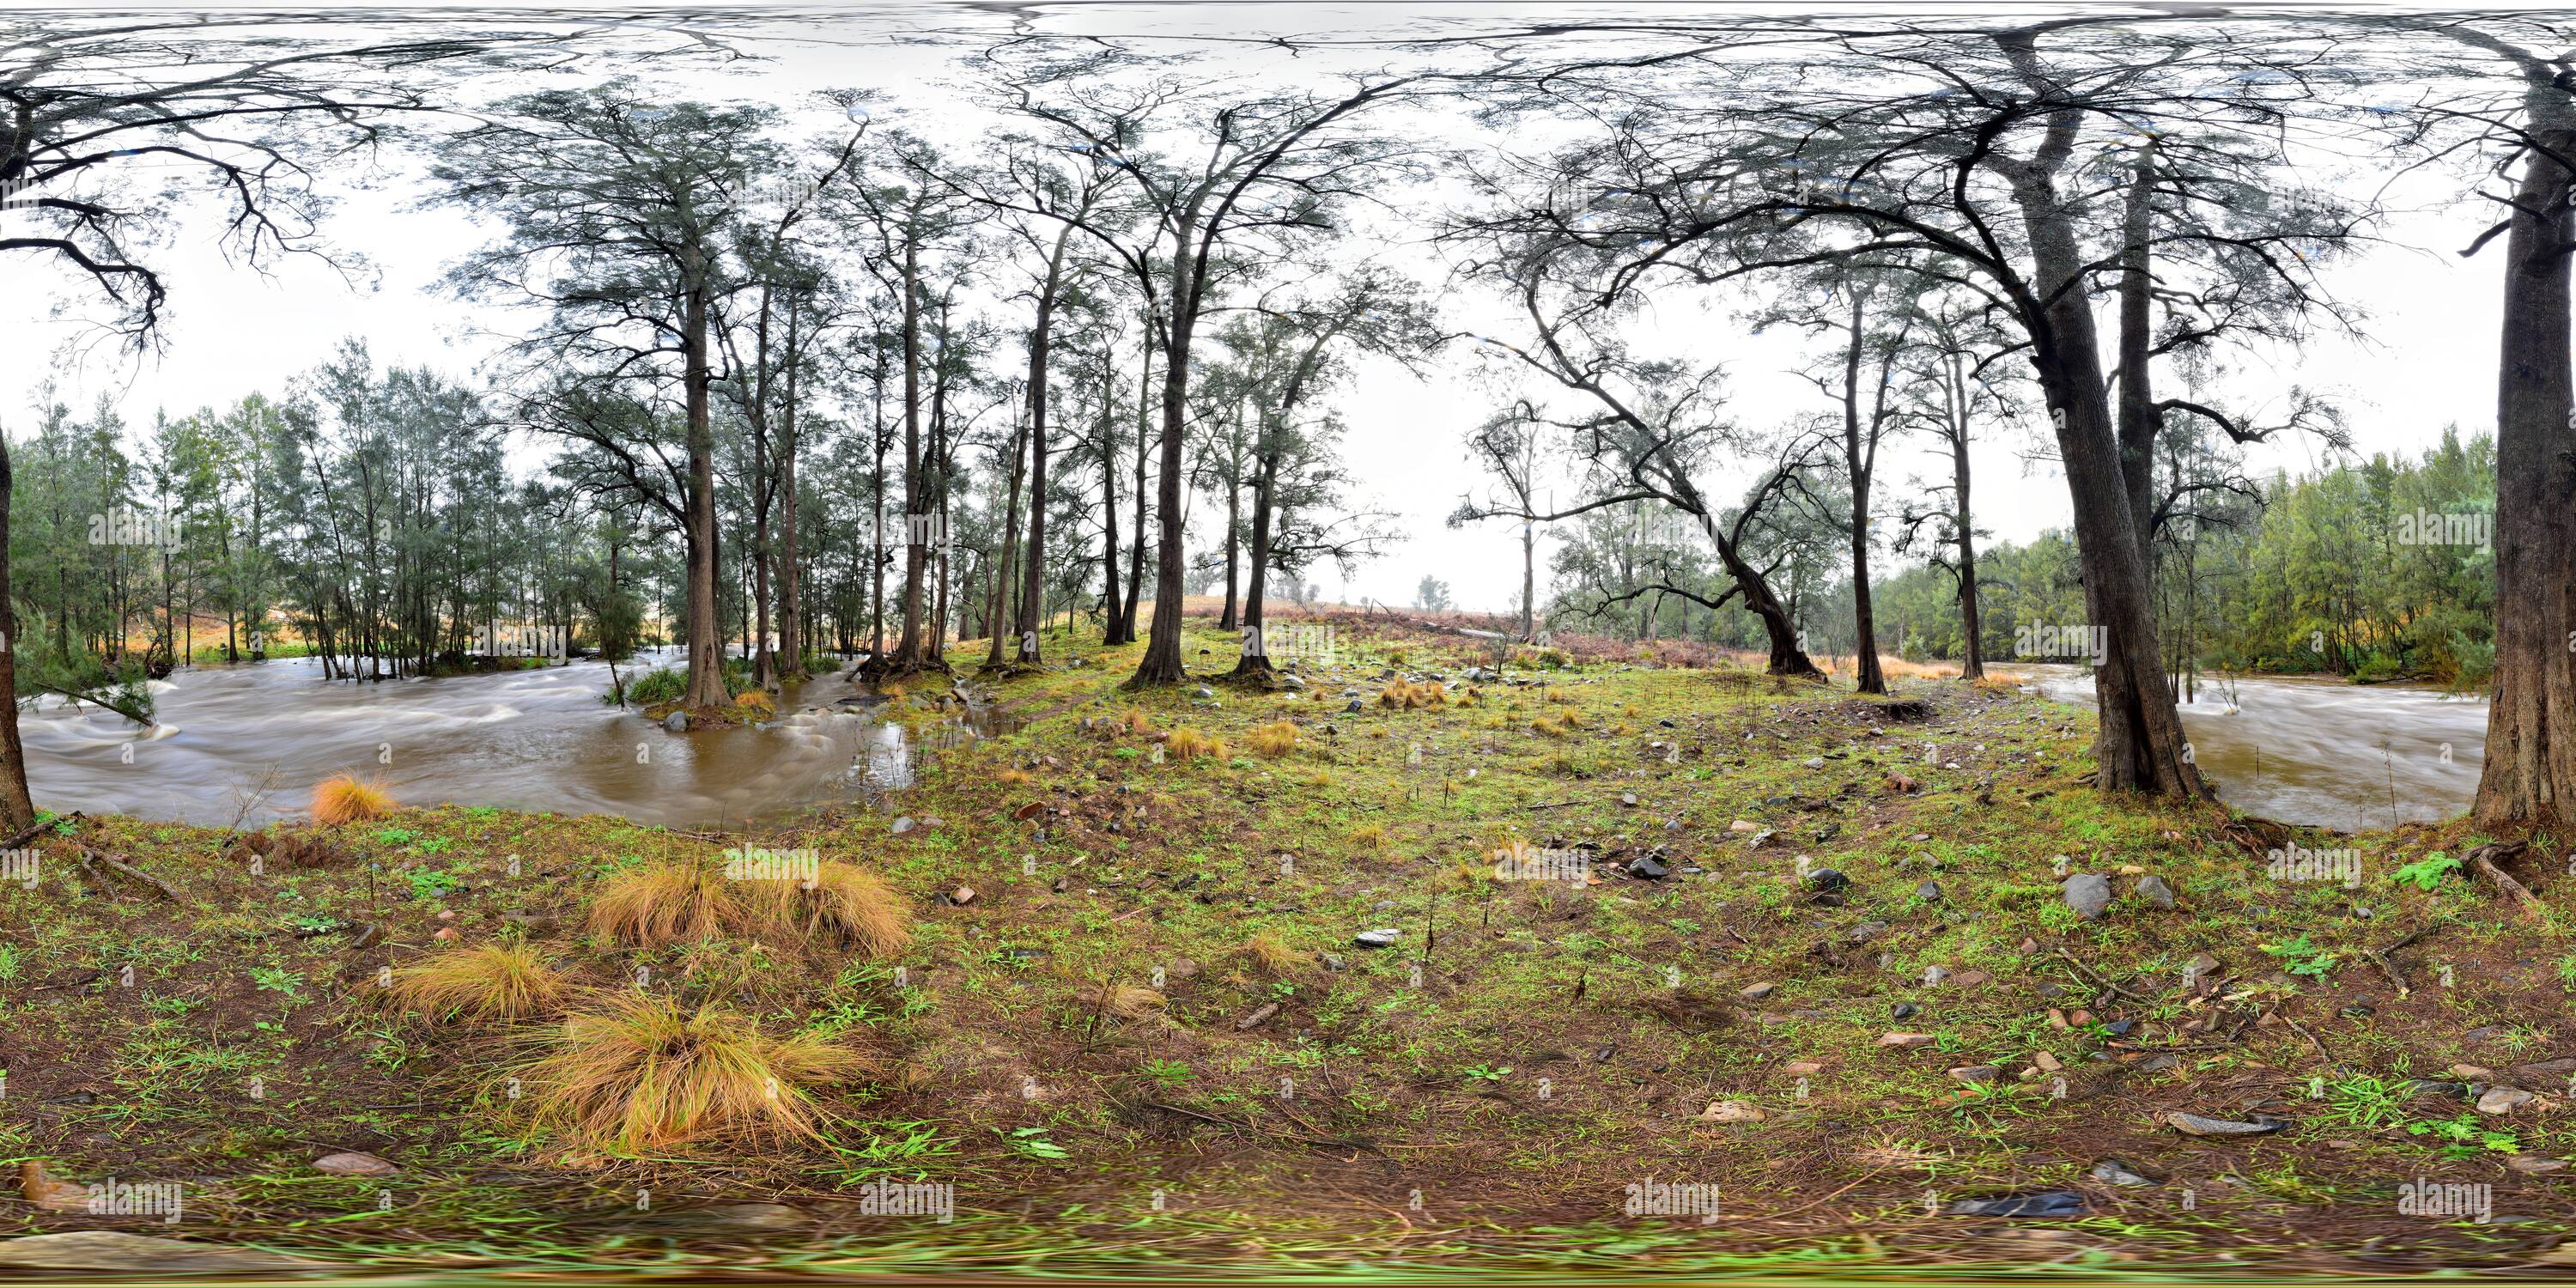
251, 740
2320, 751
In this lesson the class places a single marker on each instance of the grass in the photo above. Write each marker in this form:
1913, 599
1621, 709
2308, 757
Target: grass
638, 1074
1187, 744
661, 903
1273, 740
343, 798
852, 908
488, 982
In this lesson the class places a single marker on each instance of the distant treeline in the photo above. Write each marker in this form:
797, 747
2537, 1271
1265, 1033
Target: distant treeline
2376, 570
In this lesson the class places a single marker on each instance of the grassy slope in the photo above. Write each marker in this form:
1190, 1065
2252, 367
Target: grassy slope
1557, 1042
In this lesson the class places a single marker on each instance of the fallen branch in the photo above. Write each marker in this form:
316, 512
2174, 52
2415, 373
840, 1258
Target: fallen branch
2483, 860
2086, 973
35, 830
2387, 966
114, 864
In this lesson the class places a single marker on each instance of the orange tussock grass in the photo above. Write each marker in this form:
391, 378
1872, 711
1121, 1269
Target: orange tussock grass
1189, 744
342, 798
483, 983
640, 1074
849, 905
1275, 739
664, 902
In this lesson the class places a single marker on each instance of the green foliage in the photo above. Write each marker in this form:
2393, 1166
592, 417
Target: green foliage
2299, 957
2427, 872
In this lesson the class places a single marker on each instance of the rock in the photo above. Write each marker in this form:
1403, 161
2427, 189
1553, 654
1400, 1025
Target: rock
1378, 938
1353, 708
1866, 931
536, 925
1259, 1016
1928, 892
2201, 966
117, 1251
1933, 976
961, 896
1335, 961
1731, 1111
1203, 692
2111, 1171
1628, 799
1756, 992
2154, 890
1813, 762
2045, 1062
2504, 1100
904, 824
1901, 1011
1292, 684
1645, 867
2088, 894
2196, 1125
1744, 825
1969, 979
1801, 1068
1905, 1040
2532, 1166
2543, 1070
1827, 881
353, 1163
1974, 1073
2046, 1203
676, 722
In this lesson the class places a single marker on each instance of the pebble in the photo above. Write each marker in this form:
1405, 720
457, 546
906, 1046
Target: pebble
2196, 1125
2088, 893
1731, 1111
1378, 938
2504, 1100
1756, 992
353, 1163
2154, 890
2111, 1171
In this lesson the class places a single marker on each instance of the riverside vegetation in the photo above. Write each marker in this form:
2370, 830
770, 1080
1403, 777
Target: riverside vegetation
1867, 980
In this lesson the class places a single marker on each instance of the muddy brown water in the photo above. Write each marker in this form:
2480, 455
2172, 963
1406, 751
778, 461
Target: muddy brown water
251, 740
2319, 751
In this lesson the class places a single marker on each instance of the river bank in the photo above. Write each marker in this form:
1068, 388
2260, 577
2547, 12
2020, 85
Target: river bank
1811, 957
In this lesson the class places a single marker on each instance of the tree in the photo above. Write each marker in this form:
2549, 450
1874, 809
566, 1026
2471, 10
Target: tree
1256, 176
617, 214
1507, 447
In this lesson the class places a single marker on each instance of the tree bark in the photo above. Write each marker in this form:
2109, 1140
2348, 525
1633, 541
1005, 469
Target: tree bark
17, 808
2529, 776
706, 686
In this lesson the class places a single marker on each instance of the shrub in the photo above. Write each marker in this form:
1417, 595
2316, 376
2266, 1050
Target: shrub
669, 901
1189, 744
342, 798
1274, 740
656, 687
756, 700
640, 1075
489, 982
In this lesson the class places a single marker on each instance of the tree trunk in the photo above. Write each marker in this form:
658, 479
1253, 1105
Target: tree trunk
1265, 487
1974, 666
1136, 538
1162, 663
1858, 463
1109, 516
907, 649
706, 686
791, 605
2530, 771
2139, 421
17, 809
1041, 351
2140, 745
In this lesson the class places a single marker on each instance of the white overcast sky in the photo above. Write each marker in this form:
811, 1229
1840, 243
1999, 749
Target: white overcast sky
233, 331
